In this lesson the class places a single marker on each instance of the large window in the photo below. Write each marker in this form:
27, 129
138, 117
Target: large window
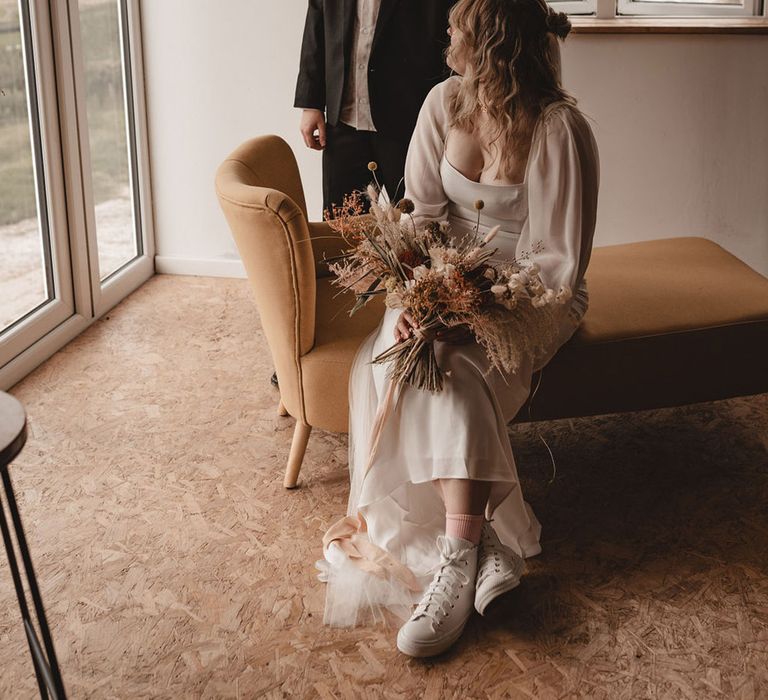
663, 8
75, 236
575, 7
678, 8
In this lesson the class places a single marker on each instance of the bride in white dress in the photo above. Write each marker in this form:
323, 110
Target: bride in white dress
440, 519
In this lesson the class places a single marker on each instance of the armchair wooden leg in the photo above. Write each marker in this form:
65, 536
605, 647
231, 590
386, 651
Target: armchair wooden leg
281, 409
296, 457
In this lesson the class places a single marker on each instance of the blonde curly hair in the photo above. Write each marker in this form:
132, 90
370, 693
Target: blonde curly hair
512, 62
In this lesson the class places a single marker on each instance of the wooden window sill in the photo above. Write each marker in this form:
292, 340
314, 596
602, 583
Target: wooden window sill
670, 25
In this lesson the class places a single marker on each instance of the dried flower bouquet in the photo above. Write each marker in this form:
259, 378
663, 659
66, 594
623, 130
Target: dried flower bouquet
443, 281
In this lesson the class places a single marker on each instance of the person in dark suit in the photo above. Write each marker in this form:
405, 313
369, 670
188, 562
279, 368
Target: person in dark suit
365, 68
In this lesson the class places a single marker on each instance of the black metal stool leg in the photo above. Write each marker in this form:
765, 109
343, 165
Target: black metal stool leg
20, 594
48, 674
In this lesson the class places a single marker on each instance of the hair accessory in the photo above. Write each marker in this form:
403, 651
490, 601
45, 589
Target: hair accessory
557, 23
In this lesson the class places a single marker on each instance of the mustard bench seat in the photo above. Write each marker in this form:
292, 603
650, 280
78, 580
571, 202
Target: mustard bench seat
670, 322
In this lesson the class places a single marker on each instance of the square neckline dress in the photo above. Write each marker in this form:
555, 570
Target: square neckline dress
383, 553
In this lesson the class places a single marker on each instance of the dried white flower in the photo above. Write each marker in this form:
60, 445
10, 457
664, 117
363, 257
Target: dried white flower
536, 286
563, 294
491, 234
515, 283
393, 213
377, 212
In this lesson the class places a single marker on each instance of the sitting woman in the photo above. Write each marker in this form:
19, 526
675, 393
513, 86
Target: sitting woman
418, 526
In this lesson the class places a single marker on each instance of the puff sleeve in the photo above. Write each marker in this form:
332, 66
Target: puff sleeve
423, 182
563, 181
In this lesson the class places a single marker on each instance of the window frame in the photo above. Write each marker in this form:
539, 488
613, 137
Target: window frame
39, 69
60, 89
109, 292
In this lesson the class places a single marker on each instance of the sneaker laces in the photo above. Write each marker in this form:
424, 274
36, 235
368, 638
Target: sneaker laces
439, 595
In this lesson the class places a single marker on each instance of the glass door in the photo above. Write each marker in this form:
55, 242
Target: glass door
75, 210
106, 59
35, 276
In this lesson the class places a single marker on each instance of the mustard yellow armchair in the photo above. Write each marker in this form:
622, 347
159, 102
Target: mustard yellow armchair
310, 334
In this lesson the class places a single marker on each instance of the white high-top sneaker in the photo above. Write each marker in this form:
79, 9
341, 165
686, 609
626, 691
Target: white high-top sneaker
440, 617
499, 568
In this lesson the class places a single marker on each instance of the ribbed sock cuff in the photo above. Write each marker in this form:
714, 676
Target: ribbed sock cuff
464, 525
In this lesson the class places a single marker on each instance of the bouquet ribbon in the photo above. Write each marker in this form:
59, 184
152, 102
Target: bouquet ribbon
350, 533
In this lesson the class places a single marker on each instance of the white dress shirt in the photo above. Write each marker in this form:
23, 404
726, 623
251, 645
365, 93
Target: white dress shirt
355, 102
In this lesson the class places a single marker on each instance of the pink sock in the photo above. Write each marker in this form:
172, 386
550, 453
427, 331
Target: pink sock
464, 525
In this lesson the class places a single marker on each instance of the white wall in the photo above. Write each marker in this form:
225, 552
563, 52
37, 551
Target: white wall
681, 122
682, 127
216, 73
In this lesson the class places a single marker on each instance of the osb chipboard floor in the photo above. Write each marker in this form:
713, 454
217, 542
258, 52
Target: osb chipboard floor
174, 564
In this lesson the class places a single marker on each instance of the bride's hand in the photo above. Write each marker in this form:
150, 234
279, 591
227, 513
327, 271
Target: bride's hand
404, 326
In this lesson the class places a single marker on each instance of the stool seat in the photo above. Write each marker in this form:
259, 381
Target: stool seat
670, 322
13, 428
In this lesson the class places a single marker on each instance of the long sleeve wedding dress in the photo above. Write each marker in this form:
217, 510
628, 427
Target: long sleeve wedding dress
380, 555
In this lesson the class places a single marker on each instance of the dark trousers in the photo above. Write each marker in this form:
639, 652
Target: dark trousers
345, 163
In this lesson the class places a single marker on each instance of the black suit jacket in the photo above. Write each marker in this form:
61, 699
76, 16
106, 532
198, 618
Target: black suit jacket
407, 59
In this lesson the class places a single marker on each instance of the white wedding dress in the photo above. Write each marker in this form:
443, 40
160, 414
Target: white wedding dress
460, 432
